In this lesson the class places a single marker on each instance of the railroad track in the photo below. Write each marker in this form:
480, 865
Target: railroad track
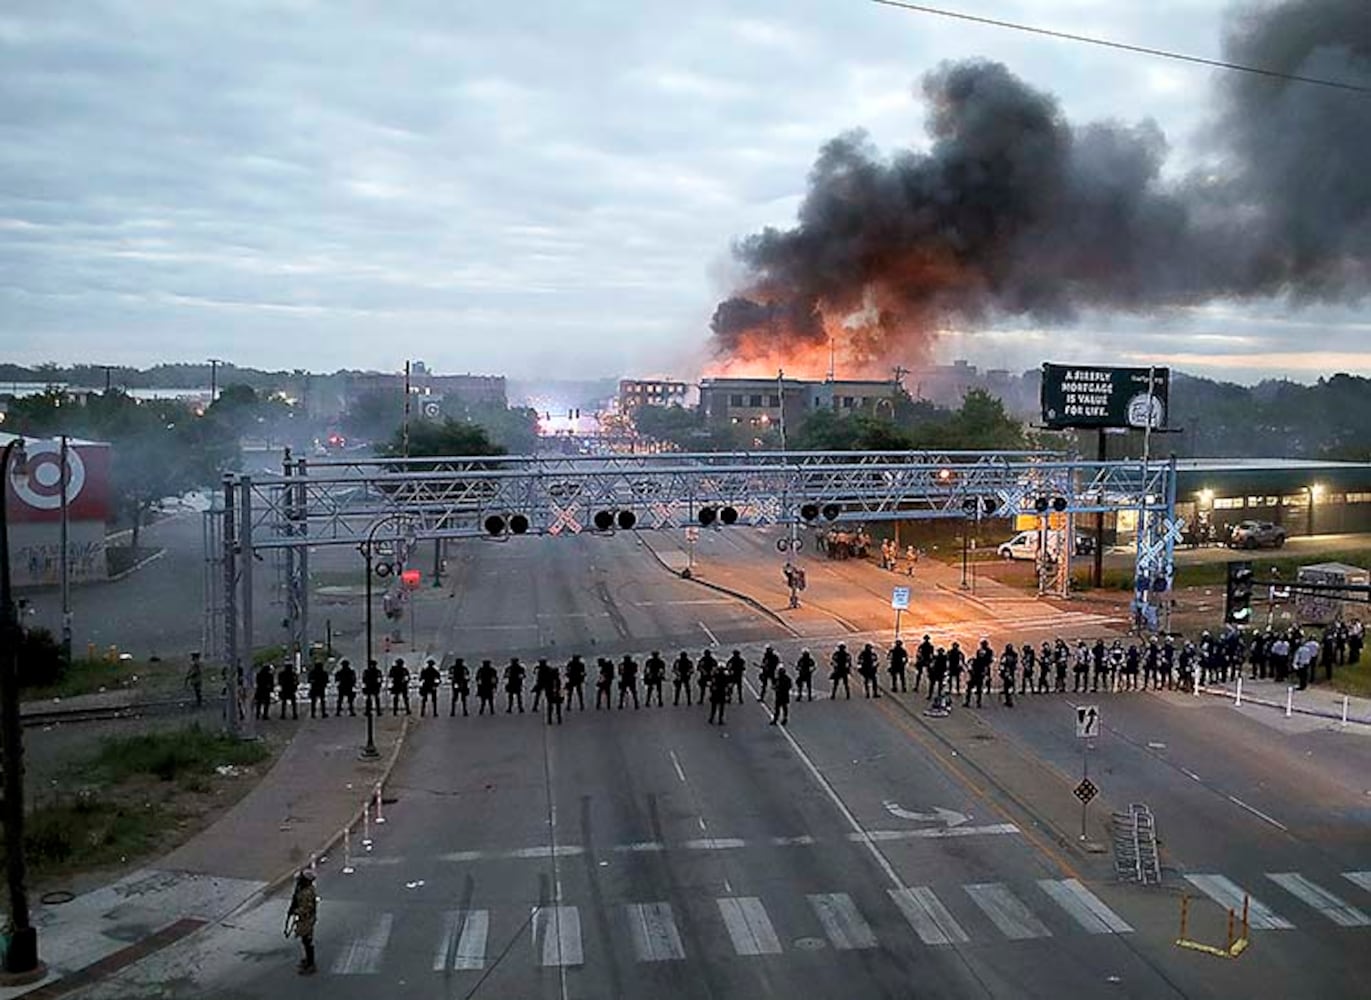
133, 710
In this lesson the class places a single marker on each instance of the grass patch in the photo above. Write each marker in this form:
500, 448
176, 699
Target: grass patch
268, 654
88, 831
185, 754
87, 676
1353, 680
1211, 574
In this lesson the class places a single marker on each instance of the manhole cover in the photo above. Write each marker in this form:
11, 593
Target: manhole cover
809, 944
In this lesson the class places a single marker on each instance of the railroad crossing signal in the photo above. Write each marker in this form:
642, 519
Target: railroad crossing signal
1086, 790
1087, 721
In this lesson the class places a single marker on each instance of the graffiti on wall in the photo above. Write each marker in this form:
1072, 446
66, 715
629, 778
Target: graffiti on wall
38, 564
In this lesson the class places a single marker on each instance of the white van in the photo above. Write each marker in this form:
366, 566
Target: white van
1024, 545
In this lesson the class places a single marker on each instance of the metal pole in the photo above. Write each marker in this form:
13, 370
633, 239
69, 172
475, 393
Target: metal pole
404, 427
65, 561
897, 623
1097, 571
231, 720
302, 563
965, 585
370, 749
238, 681
780, 403
1085, 776
22, 955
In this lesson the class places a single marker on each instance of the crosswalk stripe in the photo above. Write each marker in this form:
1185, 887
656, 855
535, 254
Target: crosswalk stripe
1341, 913
558, 928
1362, 879
1085, 907
748, 925
467, 930
1230, 896
1015, 920
653, 929
846, 928
927, 915
363, 954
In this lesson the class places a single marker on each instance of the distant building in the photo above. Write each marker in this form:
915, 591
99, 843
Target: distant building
465, 389
636, 393
758, 402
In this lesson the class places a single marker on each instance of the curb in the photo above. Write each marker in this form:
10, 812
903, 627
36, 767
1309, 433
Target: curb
136, 567
747, 599
1352, 720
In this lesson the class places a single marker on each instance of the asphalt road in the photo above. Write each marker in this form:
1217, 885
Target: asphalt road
636, 853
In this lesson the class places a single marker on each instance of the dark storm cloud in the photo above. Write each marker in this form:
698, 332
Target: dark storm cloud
1013, 211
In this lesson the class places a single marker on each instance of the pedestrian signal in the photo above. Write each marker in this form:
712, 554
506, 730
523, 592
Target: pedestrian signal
1237, 605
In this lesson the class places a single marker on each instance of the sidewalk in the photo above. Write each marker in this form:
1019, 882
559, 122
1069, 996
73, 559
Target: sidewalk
1314, 700
298, 811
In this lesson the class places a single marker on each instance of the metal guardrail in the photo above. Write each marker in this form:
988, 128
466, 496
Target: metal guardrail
1135, 846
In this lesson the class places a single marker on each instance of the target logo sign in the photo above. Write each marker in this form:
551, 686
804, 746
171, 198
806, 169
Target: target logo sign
36, 492
41, 484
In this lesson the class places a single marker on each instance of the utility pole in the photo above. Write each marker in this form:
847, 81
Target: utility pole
780, 403
404, 426
64, 561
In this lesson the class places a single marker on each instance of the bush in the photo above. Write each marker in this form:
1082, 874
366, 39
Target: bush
40, 658
87, 831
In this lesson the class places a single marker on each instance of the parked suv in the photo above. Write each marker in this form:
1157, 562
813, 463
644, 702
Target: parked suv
1256, 535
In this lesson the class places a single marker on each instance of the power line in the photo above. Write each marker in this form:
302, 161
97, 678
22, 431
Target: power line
1106, 43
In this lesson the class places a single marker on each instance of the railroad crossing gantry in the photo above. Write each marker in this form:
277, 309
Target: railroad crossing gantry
336, 501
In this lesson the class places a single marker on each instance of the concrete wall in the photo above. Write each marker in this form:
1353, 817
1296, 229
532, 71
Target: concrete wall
36, 552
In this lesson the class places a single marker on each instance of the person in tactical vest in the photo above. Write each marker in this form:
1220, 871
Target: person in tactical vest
287, 682
780, 704
899, 660
552, 690
604, 682
429, 680
628, 680
487, 679
719, 688
804, 675
371, 688
682, 670
869, 672
460, 678
399, 686
345, 683
514, 685
576, 682
261, 692
654, 675
770, 661
317, 678
841, 663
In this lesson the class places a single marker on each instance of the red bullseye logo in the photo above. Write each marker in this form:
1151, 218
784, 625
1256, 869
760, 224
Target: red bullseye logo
40, 484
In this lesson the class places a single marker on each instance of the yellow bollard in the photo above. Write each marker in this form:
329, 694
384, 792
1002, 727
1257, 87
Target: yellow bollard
1185, 915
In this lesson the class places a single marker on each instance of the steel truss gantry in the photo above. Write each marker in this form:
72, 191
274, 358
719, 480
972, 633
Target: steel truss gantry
327, 502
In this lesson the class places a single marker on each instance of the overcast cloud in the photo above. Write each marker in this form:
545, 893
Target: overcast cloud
535, 188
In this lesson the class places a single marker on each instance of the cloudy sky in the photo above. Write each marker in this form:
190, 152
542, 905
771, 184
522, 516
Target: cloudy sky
537, 188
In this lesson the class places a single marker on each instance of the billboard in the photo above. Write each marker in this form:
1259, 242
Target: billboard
1103, 396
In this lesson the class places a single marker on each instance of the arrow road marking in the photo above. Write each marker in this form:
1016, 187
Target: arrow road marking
938, 815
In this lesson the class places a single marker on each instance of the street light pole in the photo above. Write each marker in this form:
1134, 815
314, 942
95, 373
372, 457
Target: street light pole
21, 958
369, 750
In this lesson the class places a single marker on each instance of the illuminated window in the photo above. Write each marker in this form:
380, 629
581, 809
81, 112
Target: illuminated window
1295, 500
1359, 498
1228, 503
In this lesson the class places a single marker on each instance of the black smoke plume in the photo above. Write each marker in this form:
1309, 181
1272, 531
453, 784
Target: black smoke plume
1013, 211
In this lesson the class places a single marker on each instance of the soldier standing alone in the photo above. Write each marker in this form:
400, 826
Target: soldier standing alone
195, 678
300, 918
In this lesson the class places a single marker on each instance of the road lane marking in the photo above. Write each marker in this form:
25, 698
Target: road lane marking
1190, 774
640, 847
467, 929
748, 925
1362, 879
927, 915
1005, 910
934, 832
846, 928
653, 929
461, 857
804, 840
1085, 907
1229, 895
548, 851
1341, 913
1258, 813
714, 844
676, 763
363, 954
713, 639
557, 935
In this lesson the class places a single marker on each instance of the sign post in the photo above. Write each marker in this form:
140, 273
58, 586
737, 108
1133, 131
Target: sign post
899, 600
1087, 728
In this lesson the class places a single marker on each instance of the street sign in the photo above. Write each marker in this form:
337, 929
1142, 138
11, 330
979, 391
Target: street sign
899, 599
1087, 721
1086, 790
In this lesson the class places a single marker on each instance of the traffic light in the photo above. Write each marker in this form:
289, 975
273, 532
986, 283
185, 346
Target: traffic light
809, 511
708, 515
627, 519
1237, 602
497, 525
604, 520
